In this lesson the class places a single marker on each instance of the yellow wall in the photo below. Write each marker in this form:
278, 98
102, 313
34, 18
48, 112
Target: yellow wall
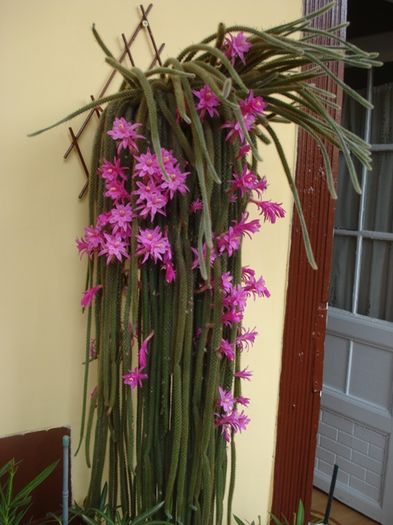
49, 65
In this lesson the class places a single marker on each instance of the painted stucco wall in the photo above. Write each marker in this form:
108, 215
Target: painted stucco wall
50, 64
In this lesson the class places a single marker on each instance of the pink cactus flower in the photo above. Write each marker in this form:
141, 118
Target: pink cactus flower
245, 401
114, 247
126, 134
116, 190
147, 164
236, 46
134, 378
111, 170
176, 182
226, 400
271, 211
89, 294
120, 218
196, 205
235, 129
207, 101
143, 351
252, 105
152, 244
246, 339
226, 349
243, 374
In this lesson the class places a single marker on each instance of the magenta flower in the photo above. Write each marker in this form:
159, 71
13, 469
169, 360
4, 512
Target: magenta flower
126, 134
168, 158
81, 246
93, 238
170, 272
233, 422
196, 205
134, 378
152, 244
111, 170
252, 105
145, 190
245, 401
114, 247
143, 350
239, 421
147, 164
235, 129
232, 317
243, 150
236, 298
236, 46
226, 400
115, 190
247, 181
89, 294
271, 211
207, 101
154, 203
257, 287
246, 339
176, 182
226, 282
226, 348
103, 219
120, 218
243, 374
246, 228
229, 241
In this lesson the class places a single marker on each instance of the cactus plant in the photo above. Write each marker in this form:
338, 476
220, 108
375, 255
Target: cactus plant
174, 169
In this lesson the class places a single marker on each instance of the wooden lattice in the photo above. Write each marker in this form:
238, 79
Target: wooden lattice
143, 24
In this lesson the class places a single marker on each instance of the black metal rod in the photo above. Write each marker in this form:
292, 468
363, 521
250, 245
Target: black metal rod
330, 498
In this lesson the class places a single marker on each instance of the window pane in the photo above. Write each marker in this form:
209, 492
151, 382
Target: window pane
376, 280
382, 118
347, 210
378, 212
341, 283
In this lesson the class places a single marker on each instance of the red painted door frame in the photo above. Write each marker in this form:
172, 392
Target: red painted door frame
305, 319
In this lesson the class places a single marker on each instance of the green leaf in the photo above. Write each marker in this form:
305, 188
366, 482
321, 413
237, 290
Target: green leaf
147, 514
300, 514
27, 489
239, 521
275, 520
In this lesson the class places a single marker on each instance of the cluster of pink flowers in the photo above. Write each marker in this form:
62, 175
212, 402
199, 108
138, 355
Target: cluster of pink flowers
230, 420
110, 236
235, 301
251, 107
245, 183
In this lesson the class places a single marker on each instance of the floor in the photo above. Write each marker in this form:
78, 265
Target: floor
340, 514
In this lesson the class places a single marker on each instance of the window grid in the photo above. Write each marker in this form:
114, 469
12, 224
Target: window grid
360, 234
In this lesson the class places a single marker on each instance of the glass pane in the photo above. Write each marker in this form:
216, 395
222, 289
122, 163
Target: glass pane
347, 209
341, 282
382, 117
378, 211
376, 280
